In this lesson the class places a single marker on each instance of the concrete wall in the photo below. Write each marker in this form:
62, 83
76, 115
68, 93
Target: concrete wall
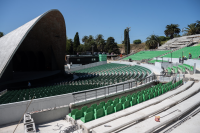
14, 111
189, 61
85, 66
50, 115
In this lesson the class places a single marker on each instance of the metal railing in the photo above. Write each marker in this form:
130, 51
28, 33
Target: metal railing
110, 89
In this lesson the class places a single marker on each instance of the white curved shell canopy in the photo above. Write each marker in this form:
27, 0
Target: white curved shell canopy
10, 43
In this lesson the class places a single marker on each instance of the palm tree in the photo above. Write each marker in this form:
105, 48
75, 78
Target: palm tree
100, 42
171, 30
192, 29
1, 34
152, 41
85, 39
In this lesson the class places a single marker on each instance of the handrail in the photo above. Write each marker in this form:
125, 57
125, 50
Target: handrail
153, 76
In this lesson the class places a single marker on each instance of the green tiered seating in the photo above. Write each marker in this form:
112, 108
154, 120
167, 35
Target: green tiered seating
89, 78
186, 50
146, 55
122, 103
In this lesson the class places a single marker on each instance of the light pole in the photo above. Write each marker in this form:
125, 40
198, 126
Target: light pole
128, 29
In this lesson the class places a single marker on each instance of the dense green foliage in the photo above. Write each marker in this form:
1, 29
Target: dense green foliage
1, 34
98, 43
76, 43
138, 41
193, 28
152, 41
69, 46
111, 46
126, 41
171, 30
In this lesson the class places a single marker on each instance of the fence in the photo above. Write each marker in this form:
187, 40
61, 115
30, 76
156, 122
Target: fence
111, 89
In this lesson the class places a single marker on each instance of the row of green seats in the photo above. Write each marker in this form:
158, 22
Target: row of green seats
185, 51
96, 111
146, 55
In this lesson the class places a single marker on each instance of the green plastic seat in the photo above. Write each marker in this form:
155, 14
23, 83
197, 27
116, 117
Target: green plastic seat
155, 93
106, 105
159, 92
94, 106
122, 100
134, 95
128, 98
146, 97
116, 99
118, 107
126, 104
102, 103
73, 112
83, 109
110, 101
140, 99
88, 110
77, 115
151, 95
109, 110
98, 107
88, 117
133, 102
99, 113
115, 103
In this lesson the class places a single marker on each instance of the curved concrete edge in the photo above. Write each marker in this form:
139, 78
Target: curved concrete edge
145, 113
10, 43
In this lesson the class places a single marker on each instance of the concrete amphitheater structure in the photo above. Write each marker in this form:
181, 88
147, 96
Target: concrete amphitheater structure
38, 45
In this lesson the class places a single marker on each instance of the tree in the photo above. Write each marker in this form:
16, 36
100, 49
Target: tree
138, 41
100, 42
126, 41
76, 42
152, 41
193, 29
69, 46
89, 41
85, 39
111, 46
1, 34
171, 30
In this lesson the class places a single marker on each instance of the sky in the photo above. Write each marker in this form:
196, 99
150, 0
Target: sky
106, 17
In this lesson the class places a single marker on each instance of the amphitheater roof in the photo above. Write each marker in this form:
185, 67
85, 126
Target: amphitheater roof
11, 41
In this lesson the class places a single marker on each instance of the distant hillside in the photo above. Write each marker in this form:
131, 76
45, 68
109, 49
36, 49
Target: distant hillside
134, 47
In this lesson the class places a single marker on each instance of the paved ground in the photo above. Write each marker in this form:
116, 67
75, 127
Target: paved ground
50, 127
58, 126
11, 128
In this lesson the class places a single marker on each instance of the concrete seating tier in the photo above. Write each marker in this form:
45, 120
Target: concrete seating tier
195, 51
146, 55
95, 123
110, 74
145, 113
166, 117
182, 68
